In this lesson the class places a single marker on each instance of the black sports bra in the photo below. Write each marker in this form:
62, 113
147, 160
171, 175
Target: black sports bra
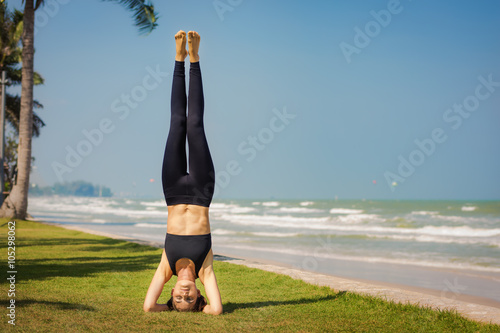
194, 247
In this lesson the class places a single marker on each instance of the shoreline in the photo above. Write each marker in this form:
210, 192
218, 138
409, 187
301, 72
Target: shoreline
474, 307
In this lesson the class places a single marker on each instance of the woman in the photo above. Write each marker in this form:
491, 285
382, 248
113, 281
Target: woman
188, 246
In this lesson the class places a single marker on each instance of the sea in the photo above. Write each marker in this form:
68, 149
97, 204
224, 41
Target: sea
449, 246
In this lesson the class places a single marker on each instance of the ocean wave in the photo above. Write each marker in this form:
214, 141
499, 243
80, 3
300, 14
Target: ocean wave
56, 214
345, 211
464, 220
273, 220
318, 255
159, 203
423, 212
275, 234
358, 218
90, 207
320, 223
439, 239
220, 205
307, 203
150, 225
223, 232
462, 231
271, 204
468, 208
299, 210
220, 208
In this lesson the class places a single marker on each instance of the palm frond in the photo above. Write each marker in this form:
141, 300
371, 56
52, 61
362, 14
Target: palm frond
12, 114
14, 75
19, 26
144, 14
38, 3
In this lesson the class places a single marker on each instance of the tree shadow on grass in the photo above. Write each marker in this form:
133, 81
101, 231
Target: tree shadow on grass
35, 269
231, 307
106, 243
91, 256
219, 257
57, 305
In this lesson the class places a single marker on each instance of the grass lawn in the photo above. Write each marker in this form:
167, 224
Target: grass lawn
70, 281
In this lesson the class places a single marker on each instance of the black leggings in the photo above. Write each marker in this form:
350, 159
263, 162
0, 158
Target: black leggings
179, 186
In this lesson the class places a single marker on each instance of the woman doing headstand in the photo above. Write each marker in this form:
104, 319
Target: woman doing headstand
188, 244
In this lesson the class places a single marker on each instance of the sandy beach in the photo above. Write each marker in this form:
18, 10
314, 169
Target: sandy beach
474, 307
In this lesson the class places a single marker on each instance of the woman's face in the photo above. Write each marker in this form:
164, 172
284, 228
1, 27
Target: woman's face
185, 294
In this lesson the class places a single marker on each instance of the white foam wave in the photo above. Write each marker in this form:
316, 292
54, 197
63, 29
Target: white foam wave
466, 220
357, 218
220, 208
273, 220
219, 205
151, 204
98, 221
56, 214
275, 234
321, 223
271, 204
299, 210
439, 239
462, 231
90, 207
150, 225
468, 208
56, 219
307, 203
345, 211
317, 255
223, 232
423, 212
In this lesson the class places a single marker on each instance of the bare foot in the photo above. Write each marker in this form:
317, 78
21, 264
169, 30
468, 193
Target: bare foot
193, 45
180, 46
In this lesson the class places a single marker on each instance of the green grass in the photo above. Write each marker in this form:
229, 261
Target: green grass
70, 281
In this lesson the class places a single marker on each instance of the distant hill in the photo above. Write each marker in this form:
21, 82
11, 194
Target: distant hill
77, 188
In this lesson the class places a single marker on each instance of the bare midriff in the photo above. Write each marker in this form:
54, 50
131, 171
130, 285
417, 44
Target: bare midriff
185, 219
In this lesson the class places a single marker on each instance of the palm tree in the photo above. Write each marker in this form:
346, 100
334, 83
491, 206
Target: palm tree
11, 27
16, 204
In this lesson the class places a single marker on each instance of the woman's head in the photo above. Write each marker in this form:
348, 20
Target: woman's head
186, 297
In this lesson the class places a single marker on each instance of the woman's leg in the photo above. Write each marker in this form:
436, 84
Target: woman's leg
174, 160
201, 168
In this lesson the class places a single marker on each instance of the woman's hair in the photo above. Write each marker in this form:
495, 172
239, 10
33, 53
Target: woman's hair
199, 305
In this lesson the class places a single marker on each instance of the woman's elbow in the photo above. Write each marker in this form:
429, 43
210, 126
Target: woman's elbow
213, 310
147, 307
216, 310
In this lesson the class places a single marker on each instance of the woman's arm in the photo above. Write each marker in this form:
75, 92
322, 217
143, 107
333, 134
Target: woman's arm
162, 275
211, 288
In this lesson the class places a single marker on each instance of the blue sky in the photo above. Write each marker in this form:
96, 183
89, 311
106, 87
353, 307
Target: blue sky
303, 100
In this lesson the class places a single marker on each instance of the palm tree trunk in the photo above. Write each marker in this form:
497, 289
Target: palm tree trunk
16, 204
